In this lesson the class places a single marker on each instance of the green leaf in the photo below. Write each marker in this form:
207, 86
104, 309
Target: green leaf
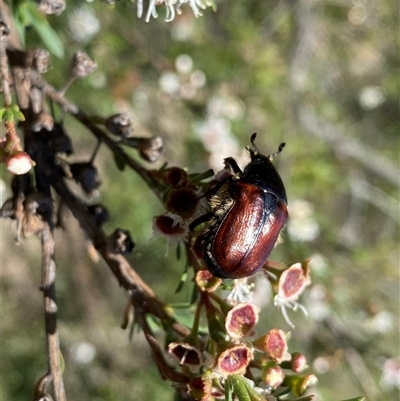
119, 161
240, 388
356, 399
2, 112
18, 115
48, 35
8, 115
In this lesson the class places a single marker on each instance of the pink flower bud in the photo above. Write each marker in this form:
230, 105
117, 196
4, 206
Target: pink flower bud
19, 163
298, 363
273, 376
234, 360
206, 281
241, 319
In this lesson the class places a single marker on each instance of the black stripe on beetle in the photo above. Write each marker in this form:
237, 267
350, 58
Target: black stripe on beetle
248, 213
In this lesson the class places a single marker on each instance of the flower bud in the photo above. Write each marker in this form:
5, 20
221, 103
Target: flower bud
241, 320
298, 362
273, 376
234, 360
120, 125
299, 384
206, 281
19, 163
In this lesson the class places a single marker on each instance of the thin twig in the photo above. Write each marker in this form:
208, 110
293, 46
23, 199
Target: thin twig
50, 311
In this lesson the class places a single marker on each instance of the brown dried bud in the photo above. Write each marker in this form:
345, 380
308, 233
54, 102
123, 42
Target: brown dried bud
82, 65
4, 31
99, 214
50, 7
39, 60
120, 241
86, 174
120, 125
151, 148
42, 120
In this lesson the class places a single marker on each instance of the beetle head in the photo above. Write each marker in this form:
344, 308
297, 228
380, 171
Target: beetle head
255, 153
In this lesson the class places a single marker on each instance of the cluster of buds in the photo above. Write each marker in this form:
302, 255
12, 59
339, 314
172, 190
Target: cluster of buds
184, 200
233, 362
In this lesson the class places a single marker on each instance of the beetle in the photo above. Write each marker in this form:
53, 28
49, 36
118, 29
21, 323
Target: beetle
248, 212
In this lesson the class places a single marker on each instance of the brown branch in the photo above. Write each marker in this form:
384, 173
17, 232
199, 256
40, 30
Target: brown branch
50, 311
122, 270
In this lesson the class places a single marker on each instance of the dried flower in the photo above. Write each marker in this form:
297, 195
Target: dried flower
183, 201
201, 387
186, 354
274, 343
234, 360
292, 283
241, 320
171, 227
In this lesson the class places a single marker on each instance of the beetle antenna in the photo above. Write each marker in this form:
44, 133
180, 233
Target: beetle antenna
253, 149
280, 148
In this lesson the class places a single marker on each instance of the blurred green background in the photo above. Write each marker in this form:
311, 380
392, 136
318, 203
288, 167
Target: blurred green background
322, 76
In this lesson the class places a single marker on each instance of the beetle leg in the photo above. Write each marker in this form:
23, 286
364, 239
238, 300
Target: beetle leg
231, 163
200, 220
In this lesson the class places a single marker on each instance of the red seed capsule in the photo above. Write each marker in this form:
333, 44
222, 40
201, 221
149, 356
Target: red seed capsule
249, 212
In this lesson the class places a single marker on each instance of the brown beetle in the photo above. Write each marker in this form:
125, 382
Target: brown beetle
248, 213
